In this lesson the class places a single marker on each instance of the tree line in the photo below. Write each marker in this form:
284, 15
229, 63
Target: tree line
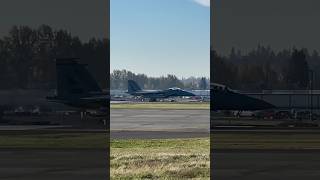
27, 61
264, 69
27, 56
119, 80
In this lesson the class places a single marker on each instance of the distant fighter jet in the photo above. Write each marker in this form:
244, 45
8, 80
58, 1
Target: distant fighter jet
224, 98
135, 90
76, 87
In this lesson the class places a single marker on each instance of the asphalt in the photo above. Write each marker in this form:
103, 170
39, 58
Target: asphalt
62, 164
157, 124
266, 165
261, 130
30, 127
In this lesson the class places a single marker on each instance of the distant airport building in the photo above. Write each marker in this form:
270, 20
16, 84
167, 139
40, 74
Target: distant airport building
289, 99
204, 93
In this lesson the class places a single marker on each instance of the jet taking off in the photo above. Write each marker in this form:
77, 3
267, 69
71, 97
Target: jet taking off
135, 90
76, 87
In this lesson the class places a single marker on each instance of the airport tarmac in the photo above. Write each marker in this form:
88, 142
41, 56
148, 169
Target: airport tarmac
263, 130
62, 164
30, 127
266, 165
139, 123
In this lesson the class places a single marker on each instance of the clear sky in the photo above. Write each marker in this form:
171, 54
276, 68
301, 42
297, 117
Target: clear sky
160, 37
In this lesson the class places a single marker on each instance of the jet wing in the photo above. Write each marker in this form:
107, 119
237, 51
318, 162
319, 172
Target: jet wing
96, 98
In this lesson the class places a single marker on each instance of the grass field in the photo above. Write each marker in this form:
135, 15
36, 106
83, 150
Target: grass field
219, 141
158, 105
130, 159
160, 159
189, 158
266, 141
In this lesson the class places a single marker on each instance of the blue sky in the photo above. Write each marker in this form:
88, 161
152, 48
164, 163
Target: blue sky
160, 37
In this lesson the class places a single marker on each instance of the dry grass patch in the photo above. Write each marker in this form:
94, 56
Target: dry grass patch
155, 159
265, 141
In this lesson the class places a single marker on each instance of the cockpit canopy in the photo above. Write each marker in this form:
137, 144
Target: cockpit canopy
174, 88
219, 87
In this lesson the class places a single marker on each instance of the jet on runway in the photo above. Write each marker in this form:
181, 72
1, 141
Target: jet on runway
135, 90
76, 87
223, 98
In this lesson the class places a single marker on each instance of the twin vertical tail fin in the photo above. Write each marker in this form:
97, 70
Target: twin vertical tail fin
74, 79
133, 86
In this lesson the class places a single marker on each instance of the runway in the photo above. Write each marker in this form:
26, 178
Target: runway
30, 127
63, 164
260, 130
138, 123
266, 165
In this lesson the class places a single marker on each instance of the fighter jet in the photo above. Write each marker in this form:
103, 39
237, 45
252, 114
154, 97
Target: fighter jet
76, 87
135, 90
223, 98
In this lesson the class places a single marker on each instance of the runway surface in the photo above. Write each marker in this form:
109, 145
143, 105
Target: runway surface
30, 127
266, 165
62, 164
256, 130
138, 123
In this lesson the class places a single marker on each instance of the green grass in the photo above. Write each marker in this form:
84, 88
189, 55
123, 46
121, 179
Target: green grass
189, 158
160, 159
130, 159
158, 105
219, 140
265, 141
